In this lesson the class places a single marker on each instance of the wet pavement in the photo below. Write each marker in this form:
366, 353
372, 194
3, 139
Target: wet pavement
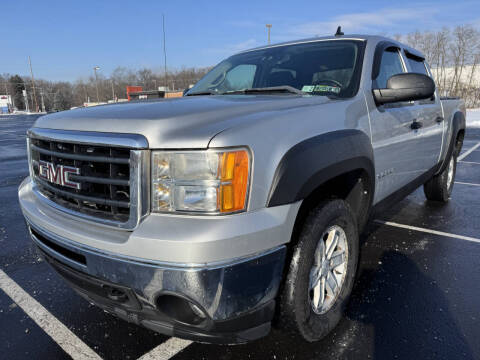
416, 296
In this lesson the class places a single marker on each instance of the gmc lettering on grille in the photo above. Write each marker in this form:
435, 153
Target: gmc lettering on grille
58, 174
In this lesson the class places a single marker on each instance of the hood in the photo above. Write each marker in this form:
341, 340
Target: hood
189, 122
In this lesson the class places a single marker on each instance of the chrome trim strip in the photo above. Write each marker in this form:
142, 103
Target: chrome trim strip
145, 262
136, 141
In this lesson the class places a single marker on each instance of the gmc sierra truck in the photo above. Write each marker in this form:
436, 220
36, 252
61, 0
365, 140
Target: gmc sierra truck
238, 206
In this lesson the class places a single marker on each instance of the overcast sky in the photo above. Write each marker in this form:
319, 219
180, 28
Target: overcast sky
66, 39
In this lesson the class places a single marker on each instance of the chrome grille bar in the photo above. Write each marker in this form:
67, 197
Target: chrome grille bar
98, 180
81, 157
93, 199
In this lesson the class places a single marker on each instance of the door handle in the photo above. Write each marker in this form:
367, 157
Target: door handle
416, 125
439, 119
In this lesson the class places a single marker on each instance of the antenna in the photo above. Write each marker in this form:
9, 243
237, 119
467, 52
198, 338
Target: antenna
339, 31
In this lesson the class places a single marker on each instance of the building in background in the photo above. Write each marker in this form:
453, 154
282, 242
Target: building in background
133, 89
137, 93
5, 104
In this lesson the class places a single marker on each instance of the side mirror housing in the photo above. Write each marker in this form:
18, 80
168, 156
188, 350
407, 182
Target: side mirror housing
405, 87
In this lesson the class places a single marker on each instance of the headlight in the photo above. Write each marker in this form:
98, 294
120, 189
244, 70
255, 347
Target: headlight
207, 181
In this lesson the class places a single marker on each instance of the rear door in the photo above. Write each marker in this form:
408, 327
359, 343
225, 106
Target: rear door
429, 120
393, 140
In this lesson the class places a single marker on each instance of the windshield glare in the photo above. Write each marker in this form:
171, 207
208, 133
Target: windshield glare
317, 68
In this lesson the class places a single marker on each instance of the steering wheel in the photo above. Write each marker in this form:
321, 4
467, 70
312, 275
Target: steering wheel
219, 80
329, 82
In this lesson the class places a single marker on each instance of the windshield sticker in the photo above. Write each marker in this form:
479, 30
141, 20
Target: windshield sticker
321, 88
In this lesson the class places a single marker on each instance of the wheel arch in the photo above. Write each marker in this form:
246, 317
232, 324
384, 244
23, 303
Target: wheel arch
337, 164
456, 140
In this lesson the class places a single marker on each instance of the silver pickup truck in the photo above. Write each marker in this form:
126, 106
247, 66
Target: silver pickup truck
213, 216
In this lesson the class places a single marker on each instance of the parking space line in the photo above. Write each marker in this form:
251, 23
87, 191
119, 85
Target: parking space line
67, 340
470, 162
434, 232
466, 183
167, 349
468, 152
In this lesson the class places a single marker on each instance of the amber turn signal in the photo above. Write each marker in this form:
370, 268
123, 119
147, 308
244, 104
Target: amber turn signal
234, 174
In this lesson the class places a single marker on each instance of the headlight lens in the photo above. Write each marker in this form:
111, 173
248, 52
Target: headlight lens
210, 181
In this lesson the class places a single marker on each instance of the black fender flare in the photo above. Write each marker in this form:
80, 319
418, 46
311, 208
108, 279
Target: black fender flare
314, 161
458, 123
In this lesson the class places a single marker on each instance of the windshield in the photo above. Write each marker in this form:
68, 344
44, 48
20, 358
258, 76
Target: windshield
318, 68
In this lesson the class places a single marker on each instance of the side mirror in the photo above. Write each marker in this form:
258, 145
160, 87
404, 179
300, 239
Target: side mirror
405, 87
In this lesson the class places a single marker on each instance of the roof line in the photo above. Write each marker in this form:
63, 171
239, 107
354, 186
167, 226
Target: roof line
300, 42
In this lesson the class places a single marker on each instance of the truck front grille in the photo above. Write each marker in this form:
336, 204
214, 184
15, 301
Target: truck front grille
107, 179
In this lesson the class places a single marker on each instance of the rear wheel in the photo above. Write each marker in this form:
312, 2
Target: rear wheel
439, 187
321, 273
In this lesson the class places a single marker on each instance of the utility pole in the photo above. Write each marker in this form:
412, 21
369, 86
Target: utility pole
33, 84
96, 81
165, 52
85, 92
113, 92
269, 26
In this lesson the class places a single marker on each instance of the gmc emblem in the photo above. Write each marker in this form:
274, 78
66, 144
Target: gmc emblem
58, 174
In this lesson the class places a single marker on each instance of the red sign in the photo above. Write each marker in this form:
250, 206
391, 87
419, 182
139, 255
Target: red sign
133, 89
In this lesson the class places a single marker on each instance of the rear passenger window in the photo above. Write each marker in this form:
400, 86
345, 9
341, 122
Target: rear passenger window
416, 65
390, 65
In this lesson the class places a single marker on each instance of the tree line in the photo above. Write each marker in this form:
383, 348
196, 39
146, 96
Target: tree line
62, 95
453, 55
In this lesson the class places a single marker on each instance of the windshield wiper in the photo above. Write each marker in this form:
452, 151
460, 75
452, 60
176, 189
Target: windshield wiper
271, 89
201, 93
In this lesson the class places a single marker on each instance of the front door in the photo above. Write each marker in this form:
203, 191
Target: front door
395, 144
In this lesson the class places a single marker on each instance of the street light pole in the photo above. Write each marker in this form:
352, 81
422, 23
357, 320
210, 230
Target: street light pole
269, 26
96, 81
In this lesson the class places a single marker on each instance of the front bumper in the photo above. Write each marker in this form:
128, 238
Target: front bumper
211, 279
224, 299
234, 304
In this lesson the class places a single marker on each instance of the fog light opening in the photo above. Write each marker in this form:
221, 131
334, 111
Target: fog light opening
181, 310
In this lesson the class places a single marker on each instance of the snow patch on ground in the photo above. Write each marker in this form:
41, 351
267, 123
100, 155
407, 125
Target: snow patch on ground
473, 117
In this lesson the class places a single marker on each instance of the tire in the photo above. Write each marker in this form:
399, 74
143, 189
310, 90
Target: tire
439, 187
299, 310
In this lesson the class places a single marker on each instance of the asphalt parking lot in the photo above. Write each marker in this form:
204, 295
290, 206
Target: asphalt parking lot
417, 295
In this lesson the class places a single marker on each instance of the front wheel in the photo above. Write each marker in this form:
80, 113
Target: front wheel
439, 187
321, 272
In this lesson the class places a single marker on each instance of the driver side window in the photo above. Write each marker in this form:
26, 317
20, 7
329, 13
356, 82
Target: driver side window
391, 64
